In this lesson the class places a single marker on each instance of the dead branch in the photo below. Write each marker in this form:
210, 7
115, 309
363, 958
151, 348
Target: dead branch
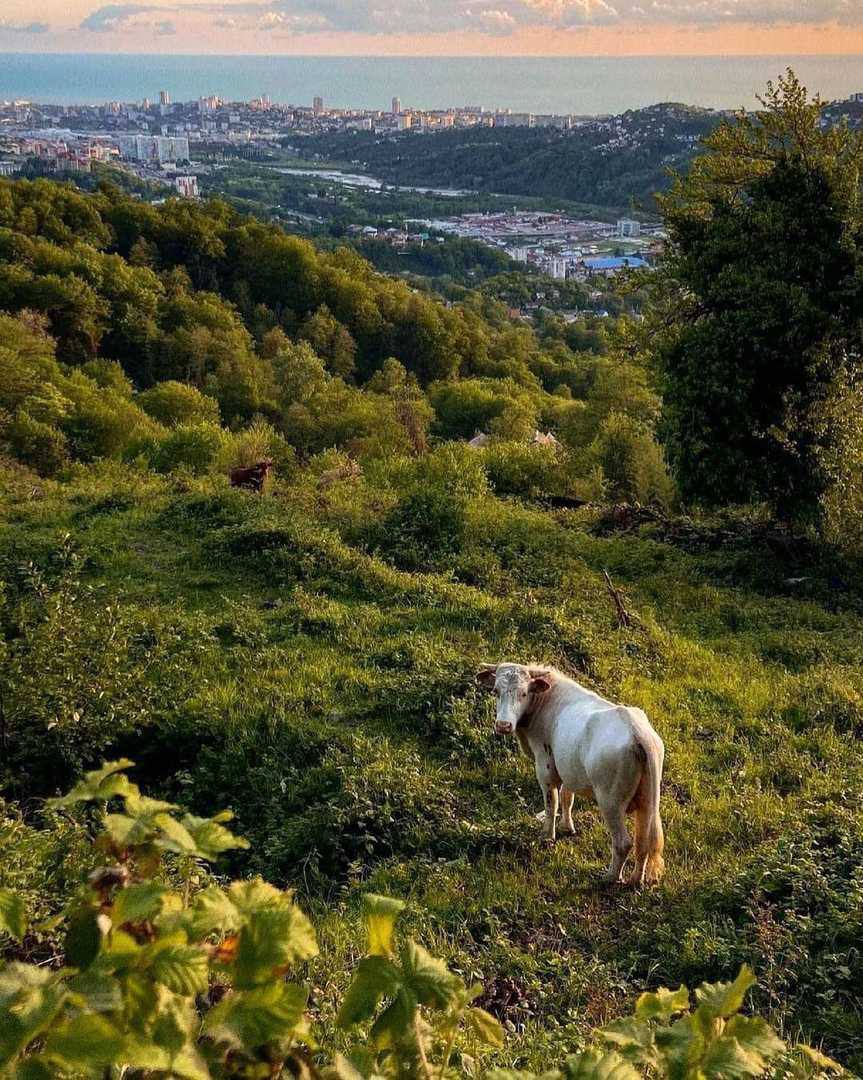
625, 618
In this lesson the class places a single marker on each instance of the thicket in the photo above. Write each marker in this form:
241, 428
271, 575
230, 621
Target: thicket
159, 334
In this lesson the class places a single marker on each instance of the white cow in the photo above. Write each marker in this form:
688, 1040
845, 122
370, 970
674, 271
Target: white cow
582, 744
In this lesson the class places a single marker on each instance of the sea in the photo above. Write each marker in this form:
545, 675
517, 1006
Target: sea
578, 85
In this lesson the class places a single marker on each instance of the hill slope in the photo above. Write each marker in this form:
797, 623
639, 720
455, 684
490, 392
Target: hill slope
256, 653
607, 162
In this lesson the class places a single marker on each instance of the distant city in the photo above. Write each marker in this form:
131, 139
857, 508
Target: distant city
170, 144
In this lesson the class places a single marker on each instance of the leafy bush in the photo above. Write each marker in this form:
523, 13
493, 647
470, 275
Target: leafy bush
423, 528
161, 980
173, 403
258, 441
195, 446
522, 469
632, 462
35, 443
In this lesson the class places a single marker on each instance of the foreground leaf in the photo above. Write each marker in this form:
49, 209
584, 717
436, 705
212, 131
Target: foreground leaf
13, 915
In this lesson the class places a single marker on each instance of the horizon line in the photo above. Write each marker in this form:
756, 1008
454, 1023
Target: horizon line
444, 56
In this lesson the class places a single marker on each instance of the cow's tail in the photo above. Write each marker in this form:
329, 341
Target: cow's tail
649, 834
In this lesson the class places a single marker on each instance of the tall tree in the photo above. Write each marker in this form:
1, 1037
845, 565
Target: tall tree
763, 312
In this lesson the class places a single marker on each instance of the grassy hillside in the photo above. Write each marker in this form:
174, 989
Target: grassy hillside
278, 656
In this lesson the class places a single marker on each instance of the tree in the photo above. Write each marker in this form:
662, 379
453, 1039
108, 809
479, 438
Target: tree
761, 302
330, 340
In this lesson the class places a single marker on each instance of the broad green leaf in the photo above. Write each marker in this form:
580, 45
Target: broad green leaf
13, 916
252, 1018
174, 1020
593, 1065
128, 831
272, 939
724, 999
174, 836
100, 785
30, 999
143, 1053
83, 938
662, 1004
212, 910
34, 1068
755, 1034
249, 896
429, 978
141, 999
85, 1040
680, 1047
211, 838
726, 1059
138, 805
632, 1038
189, 1064
375, 978
380, 914
182, 968
138, 902
485, 1026
396, 1021
99, 989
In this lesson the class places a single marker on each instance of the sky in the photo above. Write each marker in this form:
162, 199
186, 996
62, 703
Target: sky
436, 27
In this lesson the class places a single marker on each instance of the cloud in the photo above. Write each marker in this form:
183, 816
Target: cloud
442, 16
8, 27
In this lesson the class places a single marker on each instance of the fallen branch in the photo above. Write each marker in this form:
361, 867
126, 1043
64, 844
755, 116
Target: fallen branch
625, 619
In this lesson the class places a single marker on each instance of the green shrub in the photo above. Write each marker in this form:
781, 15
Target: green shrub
517, 468
422, 529
631, 461
258, 441
173, 403
196, 447
35, 443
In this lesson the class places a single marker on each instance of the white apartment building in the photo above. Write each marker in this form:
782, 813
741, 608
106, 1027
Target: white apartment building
155, 149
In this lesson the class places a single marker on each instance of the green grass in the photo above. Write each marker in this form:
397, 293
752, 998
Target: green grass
252, 653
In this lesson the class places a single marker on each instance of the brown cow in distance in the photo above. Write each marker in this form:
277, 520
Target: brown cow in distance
251, 478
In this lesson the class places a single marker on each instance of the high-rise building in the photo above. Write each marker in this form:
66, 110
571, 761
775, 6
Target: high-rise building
164, 97
156, 149
318, 106
187, 186
628, 227
397, 106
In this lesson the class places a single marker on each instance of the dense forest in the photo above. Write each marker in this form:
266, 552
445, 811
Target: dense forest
607, 163
293, 671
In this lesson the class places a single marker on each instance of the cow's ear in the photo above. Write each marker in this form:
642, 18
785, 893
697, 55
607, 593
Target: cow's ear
486, 676
539, 685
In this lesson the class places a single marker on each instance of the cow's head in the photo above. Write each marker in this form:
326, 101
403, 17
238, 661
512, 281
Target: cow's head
515, 688
265, 465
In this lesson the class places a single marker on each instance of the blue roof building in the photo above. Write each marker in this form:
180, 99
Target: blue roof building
616, 262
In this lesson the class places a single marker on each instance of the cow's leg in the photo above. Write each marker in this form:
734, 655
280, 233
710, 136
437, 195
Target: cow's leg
549, 783
614, 813
550, 825
567, 798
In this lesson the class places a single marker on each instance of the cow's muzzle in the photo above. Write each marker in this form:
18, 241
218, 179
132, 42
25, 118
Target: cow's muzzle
503, 728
